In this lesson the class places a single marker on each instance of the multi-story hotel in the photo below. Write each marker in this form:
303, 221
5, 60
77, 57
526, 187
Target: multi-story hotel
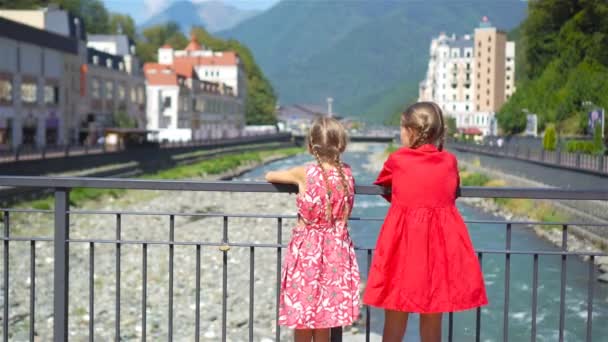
470, 77
187, 97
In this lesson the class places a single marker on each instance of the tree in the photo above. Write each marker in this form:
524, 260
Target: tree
451, 125
550, 138
121, 23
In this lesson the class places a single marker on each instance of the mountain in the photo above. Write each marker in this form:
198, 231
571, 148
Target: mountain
368, 55
213, 15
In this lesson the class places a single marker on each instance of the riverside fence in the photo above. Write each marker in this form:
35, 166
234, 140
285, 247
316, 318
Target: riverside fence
24, 153
596, 164
63, 272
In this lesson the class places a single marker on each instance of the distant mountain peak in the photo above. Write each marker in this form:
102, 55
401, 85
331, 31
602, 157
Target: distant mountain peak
214, 15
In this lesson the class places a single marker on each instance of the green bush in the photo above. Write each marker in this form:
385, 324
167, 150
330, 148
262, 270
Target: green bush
595, 146
550, 138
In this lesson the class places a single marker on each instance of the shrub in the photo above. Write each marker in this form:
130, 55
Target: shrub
550, 138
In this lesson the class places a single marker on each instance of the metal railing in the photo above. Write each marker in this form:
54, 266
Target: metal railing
24, 153
597, 164
62, 241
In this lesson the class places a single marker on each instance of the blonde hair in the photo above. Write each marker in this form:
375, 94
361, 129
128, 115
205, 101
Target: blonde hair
327, 140
426, 120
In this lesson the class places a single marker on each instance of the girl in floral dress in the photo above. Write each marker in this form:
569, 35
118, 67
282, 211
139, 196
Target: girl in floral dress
320, 278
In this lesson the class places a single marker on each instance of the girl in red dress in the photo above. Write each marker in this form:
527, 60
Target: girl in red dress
424, 261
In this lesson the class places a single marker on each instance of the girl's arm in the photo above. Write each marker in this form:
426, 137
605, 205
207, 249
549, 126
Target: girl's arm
385, 178
296, 175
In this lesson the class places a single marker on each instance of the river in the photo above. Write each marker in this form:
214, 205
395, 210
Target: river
486, 236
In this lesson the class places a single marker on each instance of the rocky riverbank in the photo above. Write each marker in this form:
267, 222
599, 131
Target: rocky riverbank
579, 239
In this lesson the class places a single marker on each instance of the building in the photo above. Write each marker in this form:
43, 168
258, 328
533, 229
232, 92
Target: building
222, 67
470, 77
183, 106
39, 82
101, 82
297, 118
116, 87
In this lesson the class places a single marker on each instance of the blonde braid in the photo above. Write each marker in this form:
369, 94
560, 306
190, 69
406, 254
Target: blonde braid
346, 193
315, 153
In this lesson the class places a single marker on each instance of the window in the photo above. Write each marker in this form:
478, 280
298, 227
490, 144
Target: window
51, 94
454, 97
167, 102
488, 92
477, 107
109, 63
478, 97
109, 90
508, 68
488, 81
95, 91
28, 92
454, 107
508, 87
467, 97
468, 65
122, 93
479, 43
478, 75
489, 49
133, 95
508, 78
96, 60
141, 95
468, 53
489, 38
489, 60
467, 108
488, 103
479, 54
6, 91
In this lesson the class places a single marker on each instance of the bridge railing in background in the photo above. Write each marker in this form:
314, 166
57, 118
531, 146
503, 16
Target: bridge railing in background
33, 153
61, 242
575, 161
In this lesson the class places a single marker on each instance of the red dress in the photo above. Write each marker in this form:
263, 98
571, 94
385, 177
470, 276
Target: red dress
424, 261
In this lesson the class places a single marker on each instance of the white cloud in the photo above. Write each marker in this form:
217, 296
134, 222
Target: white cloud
152, 7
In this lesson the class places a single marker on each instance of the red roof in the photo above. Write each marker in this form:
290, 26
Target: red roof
167, 46
159, 74
193, 45
225, 58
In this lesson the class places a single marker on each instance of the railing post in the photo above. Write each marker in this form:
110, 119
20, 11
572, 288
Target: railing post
578, 159
542, 155
43, 156
336, 334
67, 150
600, 163
558, 157
529, 152
61, 263
17, 150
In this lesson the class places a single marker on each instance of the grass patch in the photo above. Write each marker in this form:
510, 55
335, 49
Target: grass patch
538, 210
213, 166
391, 148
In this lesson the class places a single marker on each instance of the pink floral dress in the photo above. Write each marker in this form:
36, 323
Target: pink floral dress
320, 277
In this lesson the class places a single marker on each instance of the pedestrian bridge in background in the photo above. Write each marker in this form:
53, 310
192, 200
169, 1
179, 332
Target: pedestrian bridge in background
67, 241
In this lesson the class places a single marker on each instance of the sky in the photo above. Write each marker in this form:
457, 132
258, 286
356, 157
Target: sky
141, 10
